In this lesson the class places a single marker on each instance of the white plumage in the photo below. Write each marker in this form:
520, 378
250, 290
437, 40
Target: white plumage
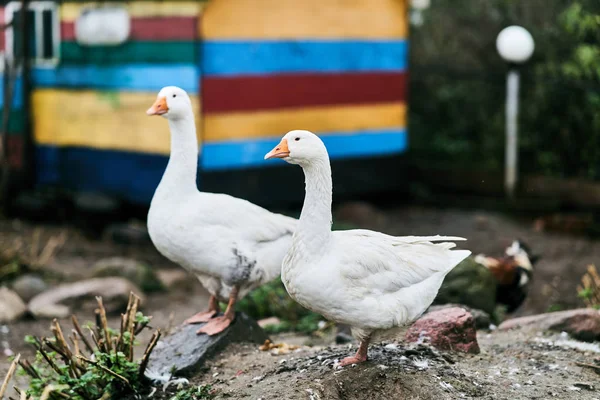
225, 241
368, 280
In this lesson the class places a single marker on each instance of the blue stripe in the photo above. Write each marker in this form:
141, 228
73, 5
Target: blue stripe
135, 77
230, 58
135, 176
130, 176
241, 154
17, 92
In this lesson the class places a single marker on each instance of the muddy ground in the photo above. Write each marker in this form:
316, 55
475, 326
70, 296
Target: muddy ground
564, 260
511, 366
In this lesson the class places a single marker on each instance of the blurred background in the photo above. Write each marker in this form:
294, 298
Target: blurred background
413, 99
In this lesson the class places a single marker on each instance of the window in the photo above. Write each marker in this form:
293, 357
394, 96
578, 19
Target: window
43, 29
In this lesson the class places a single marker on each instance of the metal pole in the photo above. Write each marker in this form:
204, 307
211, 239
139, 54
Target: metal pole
512, 112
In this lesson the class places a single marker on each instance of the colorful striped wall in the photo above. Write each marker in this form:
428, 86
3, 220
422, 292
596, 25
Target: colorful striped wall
261, 67
335, 67
90, 125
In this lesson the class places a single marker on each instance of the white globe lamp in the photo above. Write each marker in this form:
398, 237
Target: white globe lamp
515, 45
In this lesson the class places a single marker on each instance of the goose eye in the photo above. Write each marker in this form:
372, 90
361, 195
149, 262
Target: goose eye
174, 95
297, 139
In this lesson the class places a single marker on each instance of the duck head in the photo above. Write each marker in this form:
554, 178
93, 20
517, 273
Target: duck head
171, 103
299, 147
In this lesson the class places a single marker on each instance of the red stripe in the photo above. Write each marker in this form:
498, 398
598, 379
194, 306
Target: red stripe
2, 33
150, 28
300, 90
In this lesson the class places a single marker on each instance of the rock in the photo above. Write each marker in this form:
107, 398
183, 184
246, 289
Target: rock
95, 202
28, 286
183, 353
482, 319
359, 213
582, 324
447, 329
140, 274
269, 321
471, 284
11, 305
57, 302
131, 233
176, 279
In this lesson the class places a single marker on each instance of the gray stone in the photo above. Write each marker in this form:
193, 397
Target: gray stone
583, 323
482, 319
184, 352
29, 286
139, 273
11, 305
57, 302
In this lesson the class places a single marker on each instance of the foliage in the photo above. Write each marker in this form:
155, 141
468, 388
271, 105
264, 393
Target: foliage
272, 300
100, 366
457, 85
589, 290
194, 393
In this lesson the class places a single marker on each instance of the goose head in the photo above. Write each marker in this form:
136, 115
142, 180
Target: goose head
299, 147
171, 103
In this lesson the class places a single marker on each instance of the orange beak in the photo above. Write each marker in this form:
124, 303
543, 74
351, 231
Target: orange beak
280, 151
159, 107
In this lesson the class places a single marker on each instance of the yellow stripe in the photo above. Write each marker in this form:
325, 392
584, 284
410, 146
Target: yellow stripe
227, 126
285, 19
70, 11
111, 121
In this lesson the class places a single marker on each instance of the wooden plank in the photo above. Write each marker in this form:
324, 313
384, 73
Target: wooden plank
280, 19
237, 126
250, 153
130, 77
101, 120
300, 90
149, 29
243, 57
69, 11
131, 52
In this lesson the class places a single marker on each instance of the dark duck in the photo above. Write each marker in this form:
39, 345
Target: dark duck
513, 273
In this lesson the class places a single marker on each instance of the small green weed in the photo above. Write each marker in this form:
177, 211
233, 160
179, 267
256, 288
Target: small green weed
95, 366
195, 393
589, 290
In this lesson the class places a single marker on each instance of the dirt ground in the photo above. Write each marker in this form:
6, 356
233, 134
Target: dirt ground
564, 260
511, 366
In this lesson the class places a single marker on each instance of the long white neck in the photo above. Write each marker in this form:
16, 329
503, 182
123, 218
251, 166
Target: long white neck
314, 228
180, 175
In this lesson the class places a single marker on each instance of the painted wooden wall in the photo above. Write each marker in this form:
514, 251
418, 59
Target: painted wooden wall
335, 67
90, 125
262, 67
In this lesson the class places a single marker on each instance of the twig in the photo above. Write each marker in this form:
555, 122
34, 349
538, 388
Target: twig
80, 333
595, 367
108, 371
146, 357
104, 322
51, 388
9, 375
26, 365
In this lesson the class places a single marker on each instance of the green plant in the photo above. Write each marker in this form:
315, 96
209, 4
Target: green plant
272, 300
100, 366
194, 393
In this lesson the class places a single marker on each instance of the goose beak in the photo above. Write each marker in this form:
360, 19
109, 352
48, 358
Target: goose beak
159, 107
280, 151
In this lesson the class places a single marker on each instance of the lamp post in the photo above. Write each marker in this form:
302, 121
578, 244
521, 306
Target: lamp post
515, 45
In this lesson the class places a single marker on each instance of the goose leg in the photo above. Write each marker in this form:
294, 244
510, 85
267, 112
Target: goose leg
360, 356
204, 316
218, 324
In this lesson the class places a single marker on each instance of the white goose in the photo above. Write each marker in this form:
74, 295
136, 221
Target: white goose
368, 280
231, 245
